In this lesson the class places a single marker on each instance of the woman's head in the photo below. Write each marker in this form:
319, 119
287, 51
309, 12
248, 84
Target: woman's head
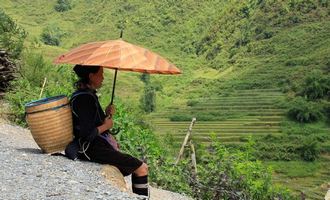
89, 76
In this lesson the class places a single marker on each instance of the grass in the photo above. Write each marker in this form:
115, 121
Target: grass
311, 178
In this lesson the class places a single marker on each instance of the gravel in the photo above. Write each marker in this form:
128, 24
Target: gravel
26, 173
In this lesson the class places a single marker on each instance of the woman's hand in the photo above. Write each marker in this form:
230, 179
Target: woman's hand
110, 110
107, 124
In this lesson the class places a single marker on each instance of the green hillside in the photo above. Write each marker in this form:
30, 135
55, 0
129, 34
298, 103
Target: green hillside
244, 64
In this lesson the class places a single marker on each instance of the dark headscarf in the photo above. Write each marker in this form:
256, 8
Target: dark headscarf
83, 72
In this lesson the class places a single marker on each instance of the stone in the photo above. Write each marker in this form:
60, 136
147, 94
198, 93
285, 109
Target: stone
327, 196
115, 177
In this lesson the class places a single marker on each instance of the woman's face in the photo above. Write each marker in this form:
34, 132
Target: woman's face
95, 80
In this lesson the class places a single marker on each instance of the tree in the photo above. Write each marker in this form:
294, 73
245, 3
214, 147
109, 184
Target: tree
148, 100
63, 5
51, 35
145, 78
11, 35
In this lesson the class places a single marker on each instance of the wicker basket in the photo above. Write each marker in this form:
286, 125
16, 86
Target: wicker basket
50, 122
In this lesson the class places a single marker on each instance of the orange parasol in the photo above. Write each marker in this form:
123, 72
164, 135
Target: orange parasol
118, 55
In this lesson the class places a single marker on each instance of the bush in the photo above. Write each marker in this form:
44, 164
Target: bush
192, 102
157, 85
316, 85
181, 117
304, 111
145, 78
63, 5
11, 35
234, 174
310, 149
288, 148
148, 100
51, 35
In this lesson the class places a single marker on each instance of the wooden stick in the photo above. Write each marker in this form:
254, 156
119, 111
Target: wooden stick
43, 86
193, 157
185, 140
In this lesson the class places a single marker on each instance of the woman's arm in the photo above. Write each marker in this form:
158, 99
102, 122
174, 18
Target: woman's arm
107, 124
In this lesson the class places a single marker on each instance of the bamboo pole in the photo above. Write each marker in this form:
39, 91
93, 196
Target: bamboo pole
43, 86
193, 157
185, 140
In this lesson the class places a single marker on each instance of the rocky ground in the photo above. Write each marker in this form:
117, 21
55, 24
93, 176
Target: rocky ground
26, 173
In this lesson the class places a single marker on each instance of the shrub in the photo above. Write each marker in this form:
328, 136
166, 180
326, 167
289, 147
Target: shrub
11, 35
304, 111
145, 78
181, 117
148, 100
234, 175
63, 5
316, 85
51, 35
310, 149
290, 147
157, 85
192, 102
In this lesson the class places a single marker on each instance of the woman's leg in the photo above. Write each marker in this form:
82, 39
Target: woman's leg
140, 180
100, 151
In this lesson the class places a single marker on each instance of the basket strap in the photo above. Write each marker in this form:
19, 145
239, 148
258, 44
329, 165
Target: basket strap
74, 96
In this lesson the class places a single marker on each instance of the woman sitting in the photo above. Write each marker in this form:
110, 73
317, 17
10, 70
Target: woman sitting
91, 129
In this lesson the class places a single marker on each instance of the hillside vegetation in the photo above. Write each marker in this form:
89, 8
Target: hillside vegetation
256, 68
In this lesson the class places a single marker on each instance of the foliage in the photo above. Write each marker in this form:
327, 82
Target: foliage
289, 147
63, 5
221, 174
11, 35
145, 78
51, 35
148, 100
309, 149
192, 102
33, 72
304, 111
235, 175
295, 169
316, 85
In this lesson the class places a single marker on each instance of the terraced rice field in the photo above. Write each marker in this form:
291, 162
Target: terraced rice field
313, 187
234, 116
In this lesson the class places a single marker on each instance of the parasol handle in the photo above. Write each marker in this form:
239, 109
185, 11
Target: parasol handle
121, 33
114, 131
113, 87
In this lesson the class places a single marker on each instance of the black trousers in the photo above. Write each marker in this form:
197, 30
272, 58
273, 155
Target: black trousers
102, 152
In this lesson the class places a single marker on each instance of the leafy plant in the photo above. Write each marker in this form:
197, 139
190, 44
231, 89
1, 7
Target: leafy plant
192, 102
235, 175
290, 147
316, 85
310, 149
51, 35
63, 5
148, 100
145, 78
11, 35
304, 111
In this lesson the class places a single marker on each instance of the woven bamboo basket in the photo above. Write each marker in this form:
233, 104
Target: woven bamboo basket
50, 122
